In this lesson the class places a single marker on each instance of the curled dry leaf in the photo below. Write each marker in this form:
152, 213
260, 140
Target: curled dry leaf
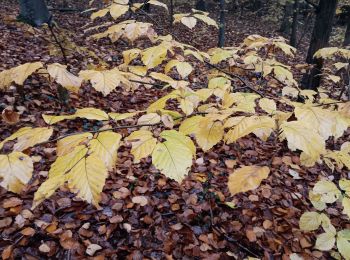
9, 116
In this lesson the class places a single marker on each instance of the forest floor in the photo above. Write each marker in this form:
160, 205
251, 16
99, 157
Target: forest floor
180, 221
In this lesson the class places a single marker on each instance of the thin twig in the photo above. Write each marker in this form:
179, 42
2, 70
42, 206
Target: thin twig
147, 83
246, 84
59, 44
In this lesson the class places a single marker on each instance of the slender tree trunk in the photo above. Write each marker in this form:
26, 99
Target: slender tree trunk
221, 42
201, 5
171, 13
293, 36
347, 33
285, 25
34, 12
320, 37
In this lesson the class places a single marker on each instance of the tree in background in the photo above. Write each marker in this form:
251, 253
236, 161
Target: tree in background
34, 12
325, 12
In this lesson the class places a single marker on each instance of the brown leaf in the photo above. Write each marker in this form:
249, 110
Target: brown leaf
12, 202
28, 231
9, 116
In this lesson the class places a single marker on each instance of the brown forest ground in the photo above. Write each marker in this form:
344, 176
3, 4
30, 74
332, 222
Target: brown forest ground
188, 221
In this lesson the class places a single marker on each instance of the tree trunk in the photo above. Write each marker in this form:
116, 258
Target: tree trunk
347, 34
201, 5
34, 12
285, 25
293, 36
319, 39
322, 28
171, 18
221, 42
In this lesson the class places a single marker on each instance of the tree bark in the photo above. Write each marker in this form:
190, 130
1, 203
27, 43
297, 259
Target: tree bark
34, 12
221, 42
347, 33
293, 36
320, 36
322, 28
285, 25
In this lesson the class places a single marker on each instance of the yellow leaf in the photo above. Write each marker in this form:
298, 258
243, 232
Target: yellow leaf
301, 137
209, 133
105, 147
28, 137
99, 13
143, 144
130, 55
137, 30
105, 81
249, 125
60, 74
5, 79
206, 20
149, 119
268, 105
328, 191
155, 2
87, 179
161, 103
122, 116
67, 144
183, 68
325, 241
244, 102
117, 10
154, 56
16, 171
190, 125
20, 73
309, 221
247, 178
88, 113
218, 55
320, 119
346, 206
344, 185
172, 158
343, 243
186, 106
177, 137
289, 91
189, 21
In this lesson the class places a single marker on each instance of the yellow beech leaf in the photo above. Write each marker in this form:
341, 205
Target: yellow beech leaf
84, 173
189, 21
130, 55
87, 179
206, 19
105, 81
143, 144
249, 125
309, 221
63, 77
190, 125
155, 2
320, 119
122, 116
186, 106
325, 241
268, 105
209, 133
247, 178
117, 10
343, 243
177, 137
183, 68
244, 102
346, 206
233, 121
99, 13
20, 73
218, 55
16, 171
173, 158
28, 137
328, 191
149, 119
161, 103
154, 56
344, 185
301, 137
67, 144
89, 113
5, 79
289, 91
105, 146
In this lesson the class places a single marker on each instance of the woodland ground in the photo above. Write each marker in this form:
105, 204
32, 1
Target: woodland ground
188, 221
